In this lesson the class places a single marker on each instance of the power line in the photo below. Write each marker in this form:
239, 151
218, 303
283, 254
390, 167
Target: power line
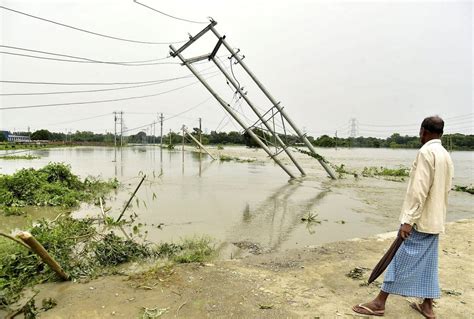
169, 15
416, 124
80, 91
187, 110
79, 61
99, 101
170, 117
84, 83
73, 121
101, 90
82, 58
86, 31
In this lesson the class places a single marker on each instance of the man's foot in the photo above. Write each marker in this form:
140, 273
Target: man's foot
423, 309
370, 308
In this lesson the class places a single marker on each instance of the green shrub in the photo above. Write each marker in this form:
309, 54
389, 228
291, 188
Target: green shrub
52, 185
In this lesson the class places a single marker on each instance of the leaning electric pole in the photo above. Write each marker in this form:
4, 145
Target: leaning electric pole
263, 119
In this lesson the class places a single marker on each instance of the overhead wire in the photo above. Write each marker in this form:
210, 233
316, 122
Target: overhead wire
98, 101
88, 31
77, 120
169, 15
80, 61
102, 90
173, 116
87, 83
80, 58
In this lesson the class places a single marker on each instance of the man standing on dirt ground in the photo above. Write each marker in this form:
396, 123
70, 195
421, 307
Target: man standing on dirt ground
413, 271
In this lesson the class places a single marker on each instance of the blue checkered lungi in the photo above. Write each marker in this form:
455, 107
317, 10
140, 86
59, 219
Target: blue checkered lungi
413, 272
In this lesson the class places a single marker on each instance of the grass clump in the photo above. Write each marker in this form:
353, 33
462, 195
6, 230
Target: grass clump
189, 250
384, 171
113, 250
19, 157
52, 185
197, 249
226, 158
467, 189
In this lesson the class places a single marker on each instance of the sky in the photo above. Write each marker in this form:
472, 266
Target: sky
371, 67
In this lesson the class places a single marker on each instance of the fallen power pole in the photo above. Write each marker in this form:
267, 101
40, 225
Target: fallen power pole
198, 143
274, 110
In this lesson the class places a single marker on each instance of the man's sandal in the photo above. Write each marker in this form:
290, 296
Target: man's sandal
417, 307
364, 310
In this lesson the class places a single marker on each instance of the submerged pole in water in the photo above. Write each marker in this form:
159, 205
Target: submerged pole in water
200, 145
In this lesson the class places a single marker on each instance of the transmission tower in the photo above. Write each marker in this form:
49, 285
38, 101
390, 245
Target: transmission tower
354, 126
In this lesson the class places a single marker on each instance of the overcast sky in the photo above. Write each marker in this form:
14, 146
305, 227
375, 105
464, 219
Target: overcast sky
388, 64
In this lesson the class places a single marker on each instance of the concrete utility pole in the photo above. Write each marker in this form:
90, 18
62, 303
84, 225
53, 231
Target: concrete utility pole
182, 147
200, 136
161, 130
121, 128
227, 107
199, 144
115, 129
276, 105
336, 139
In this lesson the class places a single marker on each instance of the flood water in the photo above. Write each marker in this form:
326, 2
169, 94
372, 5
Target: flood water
190, 194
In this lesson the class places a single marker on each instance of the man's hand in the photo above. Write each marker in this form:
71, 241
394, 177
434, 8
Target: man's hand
405, 231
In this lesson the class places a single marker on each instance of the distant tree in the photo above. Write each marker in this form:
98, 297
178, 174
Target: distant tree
41, 135
325, 141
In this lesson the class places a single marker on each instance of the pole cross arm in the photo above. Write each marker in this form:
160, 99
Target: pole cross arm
192, 39
196, 59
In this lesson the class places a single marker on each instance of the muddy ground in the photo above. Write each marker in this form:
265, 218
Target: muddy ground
303, 283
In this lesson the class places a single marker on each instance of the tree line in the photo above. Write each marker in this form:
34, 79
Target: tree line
451, 141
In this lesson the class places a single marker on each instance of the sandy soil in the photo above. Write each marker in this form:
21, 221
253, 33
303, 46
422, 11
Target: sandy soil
304, 283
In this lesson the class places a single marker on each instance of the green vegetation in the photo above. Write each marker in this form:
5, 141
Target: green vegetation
13, 146
383, 171
451, 141
74, 244
196, 249
311, 218
341, 171
316, 156
83, 252
467, 189
52, 185
19, 157
226, 158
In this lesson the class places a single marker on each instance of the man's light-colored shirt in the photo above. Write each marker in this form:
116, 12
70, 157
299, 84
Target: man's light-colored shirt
430, 181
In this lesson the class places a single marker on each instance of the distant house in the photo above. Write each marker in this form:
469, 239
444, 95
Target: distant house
15, 138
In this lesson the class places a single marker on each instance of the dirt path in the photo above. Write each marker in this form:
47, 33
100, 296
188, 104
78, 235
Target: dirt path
305, 283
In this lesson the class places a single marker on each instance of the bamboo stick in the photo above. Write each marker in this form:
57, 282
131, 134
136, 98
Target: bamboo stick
31, 241
131, 197
102, 208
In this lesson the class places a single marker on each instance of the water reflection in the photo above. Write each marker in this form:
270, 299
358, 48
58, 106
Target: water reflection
272, 220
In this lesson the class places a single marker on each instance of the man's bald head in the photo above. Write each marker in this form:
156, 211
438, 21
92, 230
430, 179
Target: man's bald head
431, 128
433, 124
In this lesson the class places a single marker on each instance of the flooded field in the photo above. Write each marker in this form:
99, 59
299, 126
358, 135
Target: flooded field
251, 205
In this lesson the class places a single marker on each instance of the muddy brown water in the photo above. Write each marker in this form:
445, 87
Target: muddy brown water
251, 202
